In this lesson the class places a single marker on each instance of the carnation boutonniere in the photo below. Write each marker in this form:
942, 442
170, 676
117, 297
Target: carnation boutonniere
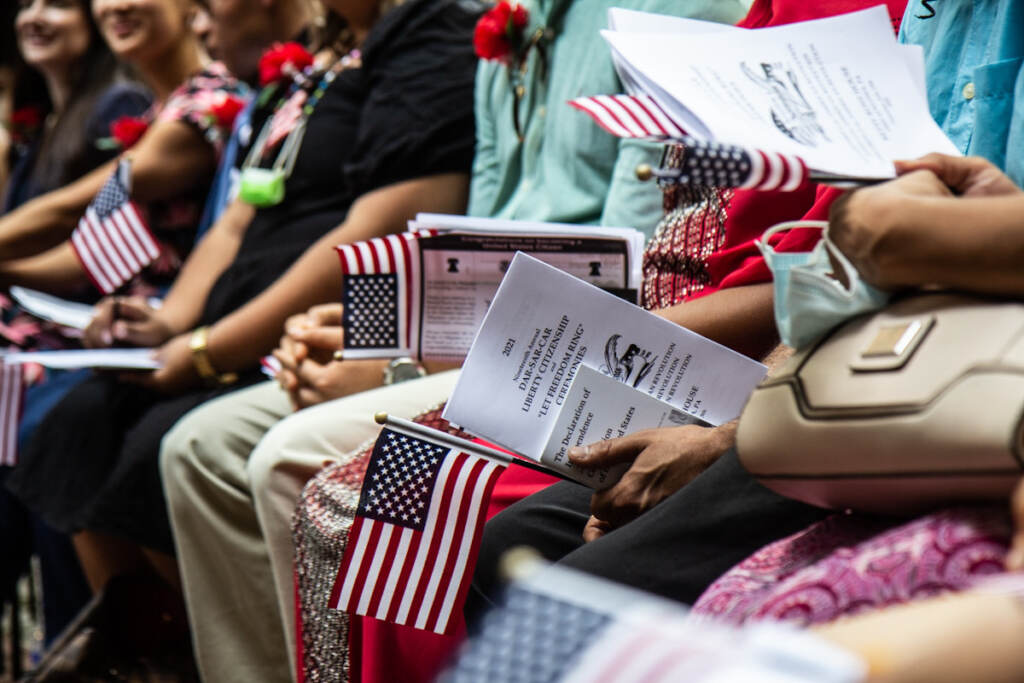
124, 133
25, 123
283, 61
224, 112
499, 33
501, 36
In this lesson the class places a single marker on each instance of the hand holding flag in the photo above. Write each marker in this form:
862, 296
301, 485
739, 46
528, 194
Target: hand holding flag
112, 240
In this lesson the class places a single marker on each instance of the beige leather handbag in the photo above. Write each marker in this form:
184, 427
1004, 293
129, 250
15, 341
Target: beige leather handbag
914, 406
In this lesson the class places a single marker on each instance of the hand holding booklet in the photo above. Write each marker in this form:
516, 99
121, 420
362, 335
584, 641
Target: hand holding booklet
840, 93
558, 362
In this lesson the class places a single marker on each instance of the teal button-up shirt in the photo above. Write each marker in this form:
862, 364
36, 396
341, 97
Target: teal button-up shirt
566, 168
974, 61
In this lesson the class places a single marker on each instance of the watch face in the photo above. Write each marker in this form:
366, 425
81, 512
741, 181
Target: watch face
404, 369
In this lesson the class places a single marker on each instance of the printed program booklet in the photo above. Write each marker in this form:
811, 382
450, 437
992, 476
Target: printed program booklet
431, 304
517, 385
840, 93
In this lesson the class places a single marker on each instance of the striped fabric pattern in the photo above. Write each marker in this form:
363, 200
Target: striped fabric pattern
112, 240
707, 164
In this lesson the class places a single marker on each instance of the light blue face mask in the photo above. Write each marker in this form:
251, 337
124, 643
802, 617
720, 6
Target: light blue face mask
809, 301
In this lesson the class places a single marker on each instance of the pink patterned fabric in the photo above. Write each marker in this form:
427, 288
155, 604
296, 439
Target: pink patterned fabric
847, 564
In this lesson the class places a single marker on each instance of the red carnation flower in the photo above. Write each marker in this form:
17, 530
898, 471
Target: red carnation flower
26, 118
226, 111
127, 130
282, 60
499, 31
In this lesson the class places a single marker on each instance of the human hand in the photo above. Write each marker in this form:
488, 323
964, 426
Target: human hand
126, 320
177, 373
876, 227
317, 333
662, 462
966, 176
310, 382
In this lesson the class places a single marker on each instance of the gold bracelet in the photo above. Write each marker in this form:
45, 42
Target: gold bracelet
198, 344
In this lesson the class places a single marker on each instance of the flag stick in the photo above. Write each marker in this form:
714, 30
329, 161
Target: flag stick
464, 445
646, 172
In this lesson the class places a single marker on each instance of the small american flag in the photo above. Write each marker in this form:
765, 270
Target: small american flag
708, 164
558, 625
12, 393
112, 240
413, 544
381, 283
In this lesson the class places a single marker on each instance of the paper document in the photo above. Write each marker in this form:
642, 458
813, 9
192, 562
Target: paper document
48, 307
543, 324
114, 359
424, 293
840, 93
597, 408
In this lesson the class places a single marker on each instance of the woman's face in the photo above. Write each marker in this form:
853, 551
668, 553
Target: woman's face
52, 34
141, 30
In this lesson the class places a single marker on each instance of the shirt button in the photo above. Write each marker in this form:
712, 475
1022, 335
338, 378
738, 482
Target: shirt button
969, 91
541, 111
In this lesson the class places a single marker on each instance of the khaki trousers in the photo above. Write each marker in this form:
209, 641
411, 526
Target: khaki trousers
233, 470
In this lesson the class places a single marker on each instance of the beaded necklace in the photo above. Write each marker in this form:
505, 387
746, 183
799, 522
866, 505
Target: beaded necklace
265, 186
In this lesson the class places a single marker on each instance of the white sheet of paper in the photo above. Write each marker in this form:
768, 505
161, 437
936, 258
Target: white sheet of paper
633, 237
597, 408
840, 92
543, 323
114, 359
634, 21
54, 309
462, 271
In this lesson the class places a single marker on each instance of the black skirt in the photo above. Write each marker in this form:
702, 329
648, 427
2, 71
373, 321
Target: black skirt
94, 461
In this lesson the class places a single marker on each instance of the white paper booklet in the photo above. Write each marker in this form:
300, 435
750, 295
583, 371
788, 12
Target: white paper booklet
515, 383
840, 93
48, 307
424, 293
111, 359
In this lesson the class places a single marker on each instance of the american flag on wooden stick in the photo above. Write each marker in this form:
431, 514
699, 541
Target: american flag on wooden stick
558, 625
381, 283
112, 240
708, 164
12, 395
412, 547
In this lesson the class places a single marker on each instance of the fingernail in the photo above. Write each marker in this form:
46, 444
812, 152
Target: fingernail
106, 338
579, 452
120, 330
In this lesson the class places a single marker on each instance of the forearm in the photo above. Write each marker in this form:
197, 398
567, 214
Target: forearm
975, 244
741, 318
971, 636
56, 271
240, 339
211, 257
46, 221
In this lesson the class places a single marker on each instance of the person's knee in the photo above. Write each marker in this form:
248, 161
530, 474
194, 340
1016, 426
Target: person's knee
180, 449
200, 443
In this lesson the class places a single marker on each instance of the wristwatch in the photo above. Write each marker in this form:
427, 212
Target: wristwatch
402, 369
197, 344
